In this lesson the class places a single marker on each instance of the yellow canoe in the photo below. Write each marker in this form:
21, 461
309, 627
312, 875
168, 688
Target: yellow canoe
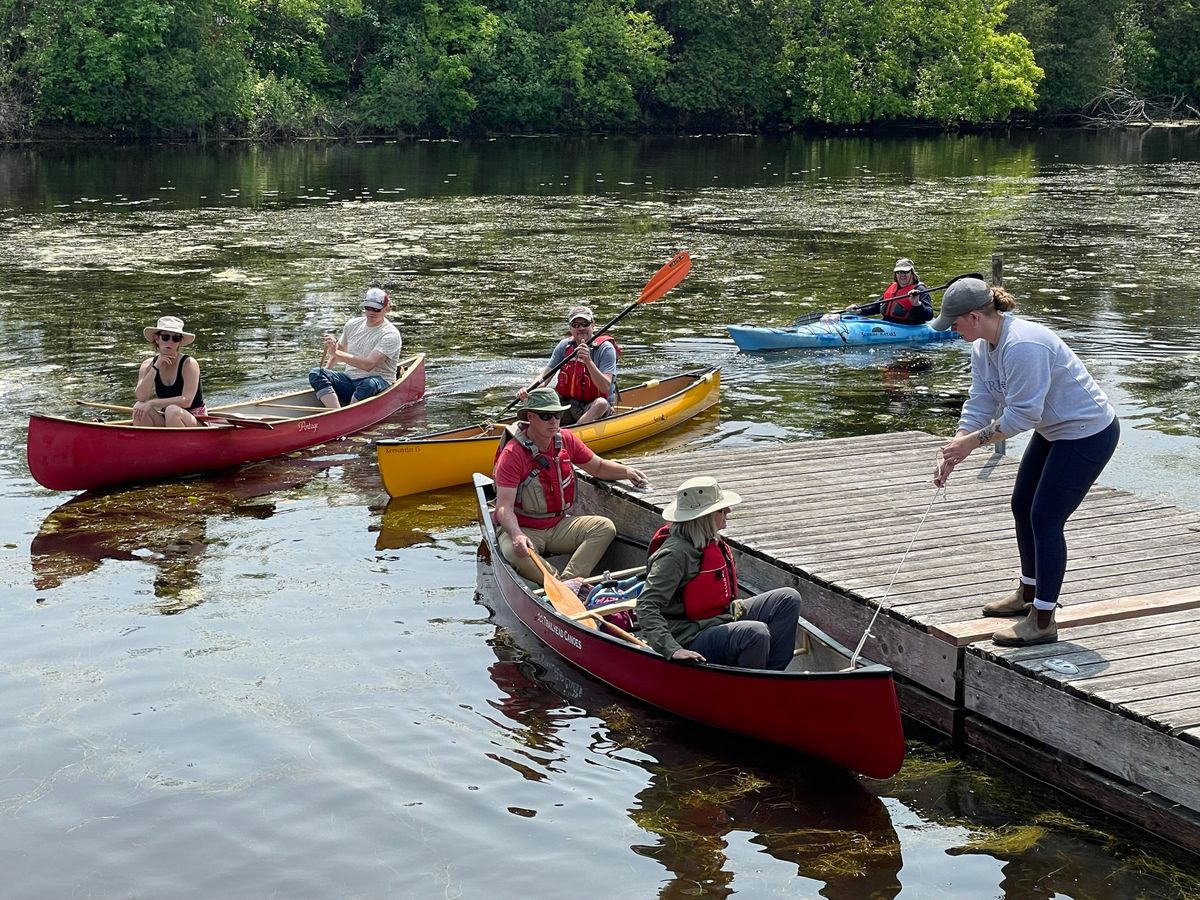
447, 458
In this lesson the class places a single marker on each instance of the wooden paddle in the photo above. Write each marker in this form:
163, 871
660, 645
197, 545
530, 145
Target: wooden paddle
662, 281
230, 420
567, 602
810, 318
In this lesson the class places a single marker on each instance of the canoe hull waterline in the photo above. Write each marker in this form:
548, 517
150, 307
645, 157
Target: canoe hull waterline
848, 717
448, 458
74, 455
845, 331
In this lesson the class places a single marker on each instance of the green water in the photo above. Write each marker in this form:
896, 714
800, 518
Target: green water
276, 682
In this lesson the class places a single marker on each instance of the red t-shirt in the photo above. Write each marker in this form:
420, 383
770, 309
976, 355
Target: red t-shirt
515, 464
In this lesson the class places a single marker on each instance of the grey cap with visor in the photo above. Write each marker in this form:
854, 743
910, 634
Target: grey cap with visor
964, 296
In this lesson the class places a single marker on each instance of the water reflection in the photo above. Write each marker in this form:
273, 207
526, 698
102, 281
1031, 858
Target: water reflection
413, 521
163, 525
704, 792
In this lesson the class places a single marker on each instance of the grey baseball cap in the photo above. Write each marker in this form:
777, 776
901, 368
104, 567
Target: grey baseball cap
964, 296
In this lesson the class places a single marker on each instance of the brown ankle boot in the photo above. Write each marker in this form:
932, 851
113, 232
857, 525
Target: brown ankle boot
1027, 632
1013, 604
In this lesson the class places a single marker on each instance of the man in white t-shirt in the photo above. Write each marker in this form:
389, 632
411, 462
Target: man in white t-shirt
369, 348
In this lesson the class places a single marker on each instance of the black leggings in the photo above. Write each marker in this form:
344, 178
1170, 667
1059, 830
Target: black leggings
1051, 483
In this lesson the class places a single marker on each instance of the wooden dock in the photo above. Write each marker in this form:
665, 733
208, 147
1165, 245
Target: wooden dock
1109, 713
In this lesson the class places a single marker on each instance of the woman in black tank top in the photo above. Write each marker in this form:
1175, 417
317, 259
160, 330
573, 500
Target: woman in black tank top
168, 391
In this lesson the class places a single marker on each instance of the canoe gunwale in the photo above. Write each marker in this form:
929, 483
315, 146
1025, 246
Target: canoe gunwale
865, 668
77, 454
801, 711
454, 435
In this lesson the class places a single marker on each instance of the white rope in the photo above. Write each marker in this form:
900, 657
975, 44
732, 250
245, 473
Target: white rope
887, 592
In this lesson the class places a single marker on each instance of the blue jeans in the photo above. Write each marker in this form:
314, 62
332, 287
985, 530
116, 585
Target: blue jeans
348, 390
1051, 482
764, 638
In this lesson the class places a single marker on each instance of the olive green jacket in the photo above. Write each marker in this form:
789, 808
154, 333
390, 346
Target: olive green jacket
662, 622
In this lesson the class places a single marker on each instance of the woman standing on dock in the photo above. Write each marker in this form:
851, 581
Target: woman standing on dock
1023, 376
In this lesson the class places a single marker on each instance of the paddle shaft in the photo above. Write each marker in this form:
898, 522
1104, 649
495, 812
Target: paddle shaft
231, 420
662, 281
816, 317
566, 359
567, 603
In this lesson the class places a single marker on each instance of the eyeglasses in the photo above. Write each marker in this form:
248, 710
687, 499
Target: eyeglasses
170, 337
372, 309
580, 324
546, 417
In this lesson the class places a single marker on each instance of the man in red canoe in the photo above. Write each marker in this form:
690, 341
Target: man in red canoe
168, 391
535, 487
370, 350
588, 381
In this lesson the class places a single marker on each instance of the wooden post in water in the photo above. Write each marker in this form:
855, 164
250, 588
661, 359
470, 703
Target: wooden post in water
998, 280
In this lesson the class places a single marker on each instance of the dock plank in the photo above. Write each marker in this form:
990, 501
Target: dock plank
1130, 715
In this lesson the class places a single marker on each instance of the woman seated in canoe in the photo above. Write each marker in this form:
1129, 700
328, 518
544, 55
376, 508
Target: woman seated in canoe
906, 300
687, 610
168, 390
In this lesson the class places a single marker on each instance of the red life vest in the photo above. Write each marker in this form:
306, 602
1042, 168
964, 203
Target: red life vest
547, 484
574, 383
905, 310
714, 587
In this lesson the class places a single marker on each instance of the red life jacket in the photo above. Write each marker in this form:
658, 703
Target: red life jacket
714, 587
547, 484
905, 310
574, 383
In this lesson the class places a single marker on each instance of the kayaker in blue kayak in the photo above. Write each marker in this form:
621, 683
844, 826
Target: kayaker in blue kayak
905, 301
1024, 377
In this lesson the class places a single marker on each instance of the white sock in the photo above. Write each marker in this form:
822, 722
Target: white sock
1025, 580
1044, 605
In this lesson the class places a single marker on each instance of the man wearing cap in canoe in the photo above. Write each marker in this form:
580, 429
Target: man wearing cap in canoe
535, 488
168, 390
587, 383
905, 301
370, 350
688, 611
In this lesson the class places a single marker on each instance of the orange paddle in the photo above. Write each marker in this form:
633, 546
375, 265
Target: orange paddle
567, 602
660, 283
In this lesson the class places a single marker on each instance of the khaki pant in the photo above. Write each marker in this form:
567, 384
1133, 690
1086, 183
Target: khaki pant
584, 537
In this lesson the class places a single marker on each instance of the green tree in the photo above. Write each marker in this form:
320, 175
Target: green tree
853, 61
723, 64
137, 63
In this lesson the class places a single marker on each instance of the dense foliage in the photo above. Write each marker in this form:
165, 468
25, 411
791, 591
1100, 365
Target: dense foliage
272, 68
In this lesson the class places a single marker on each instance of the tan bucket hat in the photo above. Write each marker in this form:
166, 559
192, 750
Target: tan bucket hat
698, 497
172, 325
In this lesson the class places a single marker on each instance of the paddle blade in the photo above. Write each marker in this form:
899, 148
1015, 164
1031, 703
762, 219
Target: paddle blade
666, 277
237, 421
561, 597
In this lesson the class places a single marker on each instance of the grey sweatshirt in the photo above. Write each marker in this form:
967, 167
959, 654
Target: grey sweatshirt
1039, 383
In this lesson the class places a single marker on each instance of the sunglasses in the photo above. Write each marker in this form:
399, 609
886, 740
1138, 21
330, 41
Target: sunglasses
580, 324
176, 338
546, 417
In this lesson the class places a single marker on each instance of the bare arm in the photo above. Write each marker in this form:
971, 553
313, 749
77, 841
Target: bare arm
144, 389
960, 447
610, 470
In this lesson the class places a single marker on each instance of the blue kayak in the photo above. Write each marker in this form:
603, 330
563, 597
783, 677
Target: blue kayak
834, 331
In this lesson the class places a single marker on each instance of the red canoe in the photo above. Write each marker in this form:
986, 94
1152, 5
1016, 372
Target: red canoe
72, 455
818, 705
